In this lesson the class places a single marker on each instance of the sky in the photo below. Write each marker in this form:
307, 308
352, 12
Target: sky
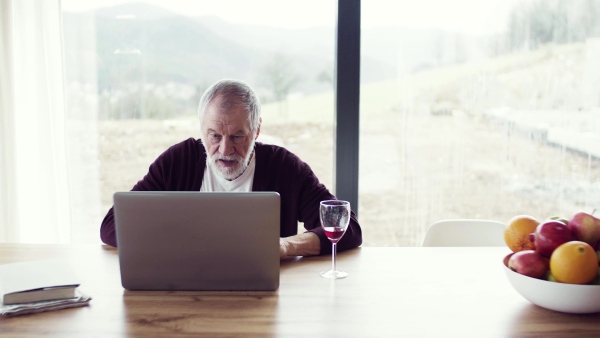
476, 17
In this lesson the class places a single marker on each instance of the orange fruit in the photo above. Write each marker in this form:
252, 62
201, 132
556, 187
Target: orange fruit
517, 231
574, 262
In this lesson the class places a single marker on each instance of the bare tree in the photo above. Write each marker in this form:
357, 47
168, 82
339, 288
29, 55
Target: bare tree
280, 77
325, 76
540, 22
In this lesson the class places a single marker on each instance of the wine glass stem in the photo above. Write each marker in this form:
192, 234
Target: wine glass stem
333, 251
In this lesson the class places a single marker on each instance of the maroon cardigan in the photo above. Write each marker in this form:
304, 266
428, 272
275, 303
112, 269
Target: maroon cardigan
181, 168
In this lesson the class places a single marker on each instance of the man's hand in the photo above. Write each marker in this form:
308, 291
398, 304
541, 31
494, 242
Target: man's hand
305, 244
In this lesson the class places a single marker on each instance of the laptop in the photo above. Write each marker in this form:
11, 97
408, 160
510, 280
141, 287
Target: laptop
207, 241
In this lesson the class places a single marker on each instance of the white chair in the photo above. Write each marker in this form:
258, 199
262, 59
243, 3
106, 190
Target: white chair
465, 232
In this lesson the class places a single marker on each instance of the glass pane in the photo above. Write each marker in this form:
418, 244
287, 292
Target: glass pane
477, 109
136, 70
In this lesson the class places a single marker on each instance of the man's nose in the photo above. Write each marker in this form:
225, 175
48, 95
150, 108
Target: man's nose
226, 146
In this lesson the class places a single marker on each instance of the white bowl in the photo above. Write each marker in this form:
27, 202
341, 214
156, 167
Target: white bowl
562, 297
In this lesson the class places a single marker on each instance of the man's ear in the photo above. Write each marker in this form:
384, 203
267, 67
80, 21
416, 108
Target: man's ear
258, 130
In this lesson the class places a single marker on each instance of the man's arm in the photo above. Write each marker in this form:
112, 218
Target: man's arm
305, 244
279, 170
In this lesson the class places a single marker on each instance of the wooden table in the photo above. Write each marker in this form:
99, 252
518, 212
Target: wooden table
410, 292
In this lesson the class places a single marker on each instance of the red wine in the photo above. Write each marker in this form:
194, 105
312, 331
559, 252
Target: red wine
334, 233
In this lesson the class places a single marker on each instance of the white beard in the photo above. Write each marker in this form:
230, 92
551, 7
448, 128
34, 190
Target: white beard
230, 173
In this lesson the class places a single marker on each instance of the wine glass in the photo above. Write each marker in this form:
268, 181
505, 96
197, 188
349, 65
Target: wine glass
335, 216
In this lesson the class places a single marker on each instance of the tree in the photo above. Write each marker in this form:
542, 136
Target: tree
541, 22
325, 76
279, 76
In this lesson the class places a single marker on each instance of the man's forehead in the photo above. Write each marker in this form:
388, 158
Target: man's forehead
227, 131
219, 121
226, 123
226, 113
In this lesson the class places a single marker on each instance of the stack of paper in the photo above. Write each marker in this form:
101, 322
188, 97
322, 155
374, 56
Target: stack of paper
38, 286
43, 306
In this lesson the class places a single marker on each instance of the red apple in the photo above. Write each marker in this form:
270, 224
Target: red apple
529, 263
549, 235
585, 228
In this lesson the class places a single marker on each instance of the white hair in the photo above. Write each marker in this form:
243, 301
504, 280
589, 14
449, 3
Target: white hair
232, 92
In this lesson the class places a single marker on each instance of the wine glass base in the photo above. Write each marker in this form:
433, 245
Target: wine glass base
334, 274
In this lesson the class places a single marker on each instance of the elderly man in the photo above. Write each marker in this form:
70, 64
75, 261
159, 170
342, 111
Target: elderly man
227, 158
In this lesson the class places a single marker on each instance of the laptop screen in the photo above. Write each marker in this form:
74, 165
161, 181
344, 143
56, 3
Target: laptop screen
218, 241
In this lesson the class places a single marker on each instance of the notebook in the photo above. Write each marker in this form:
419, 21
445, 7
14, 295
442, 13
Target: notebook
208, 241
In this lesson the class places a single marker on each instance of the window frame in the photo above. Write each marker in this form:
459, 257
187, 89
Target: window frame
347, 101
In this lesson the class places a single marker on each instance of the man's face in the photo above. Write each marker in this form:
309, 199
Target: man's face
228, 138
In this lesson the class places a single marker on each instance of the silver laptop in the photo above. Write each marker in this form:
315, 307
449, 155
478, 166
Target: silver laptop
198, 240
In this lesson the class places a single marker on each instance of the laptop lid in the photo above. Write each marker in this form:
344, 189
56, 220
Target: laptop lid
210, 241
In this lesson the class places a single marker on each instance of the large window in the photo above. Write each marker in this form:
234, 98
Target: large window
138, 69
468, 109
477, 109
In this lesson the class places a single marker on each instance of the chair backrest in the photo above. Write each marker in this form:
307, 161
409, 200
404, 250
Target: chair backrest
465, 232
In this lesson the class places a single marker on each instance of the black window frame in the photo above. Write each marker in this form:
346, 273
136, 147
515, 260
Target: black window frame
347, 101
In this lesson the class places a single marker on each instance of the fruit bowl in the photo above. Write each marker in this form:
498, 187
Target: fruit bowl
561, 297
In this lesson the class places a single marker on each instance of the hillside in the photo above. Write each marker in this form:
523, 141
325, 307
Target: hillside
136, 44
